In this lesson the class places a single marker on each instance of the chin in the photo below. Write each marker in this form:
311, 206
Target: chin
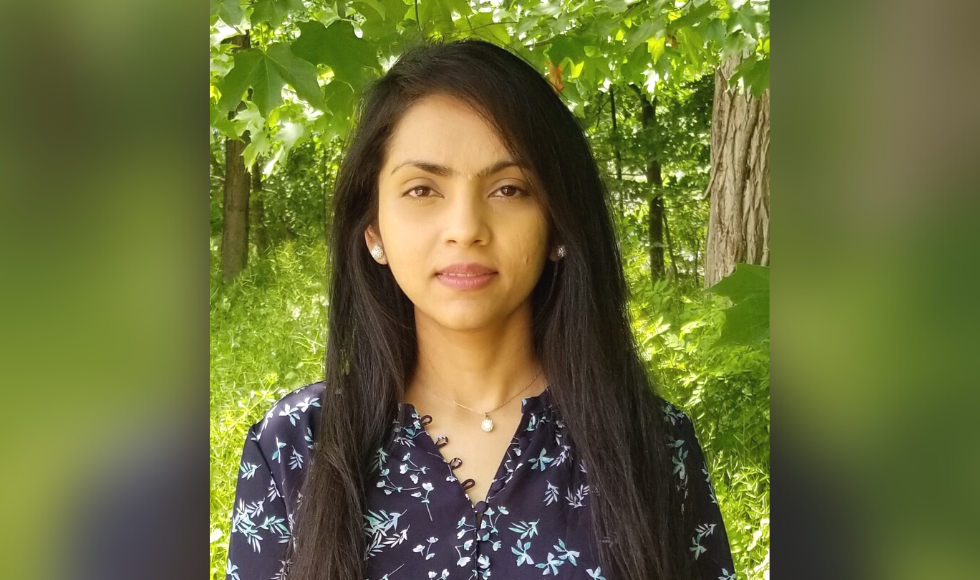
463, 317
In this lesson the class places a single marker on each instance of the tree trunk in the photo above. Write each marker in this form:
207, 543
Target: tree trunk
234, 235
697, 259
738, 224
655, 220
655, 231
619, 157
257, 210
670, 247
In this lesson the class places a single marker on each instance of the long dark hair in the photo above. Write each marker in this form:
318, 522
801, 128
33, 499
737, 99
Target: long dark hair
581, 326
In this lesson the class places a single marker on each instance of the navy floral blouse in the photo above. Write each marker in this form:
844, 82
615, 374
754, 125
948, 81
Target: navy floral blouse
420, 523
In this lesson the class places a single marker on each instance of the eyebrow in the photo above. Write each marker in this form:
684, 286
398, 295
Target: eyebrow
449, 172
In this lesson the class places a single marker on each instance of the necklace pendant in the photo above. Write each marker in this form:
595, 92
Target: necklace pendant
487, 423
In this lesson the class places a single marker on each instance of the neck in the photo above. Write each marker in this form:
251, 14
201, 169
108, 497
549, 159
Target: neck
478, 368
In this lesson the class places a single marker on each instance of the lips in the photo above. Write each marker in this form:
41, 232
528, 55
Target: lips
467, 270
468, 276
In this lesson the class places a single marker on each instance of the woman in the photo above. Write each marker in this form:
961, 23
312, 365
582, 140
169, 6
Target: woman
484, 410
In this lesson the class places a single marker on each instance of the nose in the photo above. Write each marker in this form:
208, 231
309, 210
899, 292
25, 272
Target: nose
466, 222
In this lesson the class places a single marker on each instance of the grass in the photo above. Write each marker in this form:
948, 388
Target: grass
267, 338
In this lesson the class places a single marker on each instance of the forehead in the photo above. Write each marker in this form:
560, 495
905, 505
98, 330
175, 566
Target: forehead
445, 130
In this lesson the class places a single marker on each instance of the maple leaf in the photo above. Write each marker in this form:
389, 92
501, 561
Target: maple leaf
554, 75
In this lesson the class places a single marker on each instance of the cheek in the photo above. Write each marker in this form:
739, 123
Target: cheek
530, 235
395, 229
407, 247
528, 251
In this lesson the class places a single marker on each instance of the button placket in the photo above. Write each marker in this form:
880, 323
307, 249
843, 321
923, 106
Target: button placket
483, 547
483, 565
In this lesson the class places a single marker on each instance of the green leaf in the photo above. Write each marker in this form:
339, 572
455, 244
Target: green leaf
249, 119
482, 25
222, 123
246, 71
716, 31
385, 23
229, 11
596, 69
266, 73
339, 107
746, 281
437, 15
353, 60
655, 46
747, 322
694, 17
691, 45
552, 9
274, 11
377, 6
638, 62
567, 46
754, 73
615, 5
290, 133
665, 64
524, 25
749, 19
300, 75
642, 33
258, 145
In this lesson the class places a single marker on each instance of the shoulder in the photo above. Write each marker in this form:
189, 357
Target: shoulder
686, 453
290, 421
678, 421
682, 437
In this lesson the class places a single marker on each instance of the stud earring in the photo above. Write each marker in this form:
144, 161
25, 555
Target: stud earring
561, 252
377, 252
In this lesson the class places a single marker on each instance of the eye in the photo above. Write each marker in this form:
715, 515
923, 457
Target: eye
418, 188
514, 191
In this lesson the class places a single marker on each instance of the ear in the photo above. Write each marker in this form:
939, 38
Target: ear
372, 239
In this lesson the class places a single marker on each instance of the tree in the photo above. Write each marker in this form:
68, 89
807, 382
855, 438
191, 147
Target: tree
654, 175
234, 235
257, 212
738, 226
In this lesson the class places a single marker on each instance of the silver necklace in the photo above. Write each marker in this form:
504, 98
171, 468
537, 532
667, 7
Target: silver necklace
487, 424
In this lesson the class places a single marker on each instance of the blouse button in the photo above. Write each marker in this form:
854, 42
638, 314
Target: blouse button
481, 506
495, 486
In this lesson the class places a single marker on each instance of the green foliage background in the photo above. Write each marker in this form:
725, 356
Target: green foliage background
293, 90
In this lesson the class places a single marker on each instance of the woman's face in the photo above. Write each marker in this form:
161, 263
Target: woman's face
448, 194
